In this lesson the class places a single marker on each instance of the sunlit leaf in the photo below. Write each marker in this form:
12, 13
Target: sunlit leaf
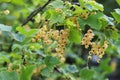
81, 2
92, 5
5, 0
116, 16
118, 1
26, 73
21, 30
117, 11
17, 2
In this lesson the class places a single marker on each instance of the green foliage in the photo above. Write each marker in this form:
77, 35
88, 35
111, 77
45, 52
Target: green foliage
26, 72
5, 75
28, 33
116, 15
5, 28
5, 0
93, 21
75, 36
72, 68
51, 61
19, 37
104, 66
25, 56
47, 71
118, 1
87, 74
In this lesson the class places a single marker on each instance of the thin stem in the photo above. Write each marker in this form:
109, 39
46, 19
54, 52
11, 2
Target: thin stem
30, 17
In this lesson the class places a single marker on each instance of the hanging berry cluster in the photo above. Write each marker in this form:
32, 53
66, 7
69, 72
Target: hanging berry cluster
52, 36
96, 48
87, 38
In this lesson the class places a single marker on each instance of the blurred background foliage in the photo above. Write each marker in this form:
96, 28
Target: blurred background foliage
108, 69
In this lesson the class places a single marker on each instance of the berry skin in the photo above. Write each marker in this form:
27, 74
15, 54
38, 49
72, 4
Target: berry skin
86, 41
89, 57
51, 36
96, 48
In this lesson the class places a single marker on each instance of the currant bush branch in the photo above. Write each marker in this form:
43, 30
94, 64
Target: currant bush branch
30, 17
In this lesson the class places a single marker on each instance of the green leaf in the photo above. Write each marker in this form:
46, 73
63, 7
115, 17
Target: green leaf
31, 32
16, 48
118, 1
69, 23
117, 11
47, 71
5, 0
56, 18
114, 35
57, 4
26, 72
5, 28
104, 66
28, 33
51, 61
118, 49
109, 20
72, 68
75, 36
111, 34
21, 30
116, 16
17, 2
19, 37
81, 2
92, 5
86, 73
5, 75
93, 21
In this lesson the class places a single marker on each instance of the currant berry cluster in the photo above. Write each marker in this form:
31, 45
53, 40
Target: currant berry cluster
87, 38
96, 48
52, 36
